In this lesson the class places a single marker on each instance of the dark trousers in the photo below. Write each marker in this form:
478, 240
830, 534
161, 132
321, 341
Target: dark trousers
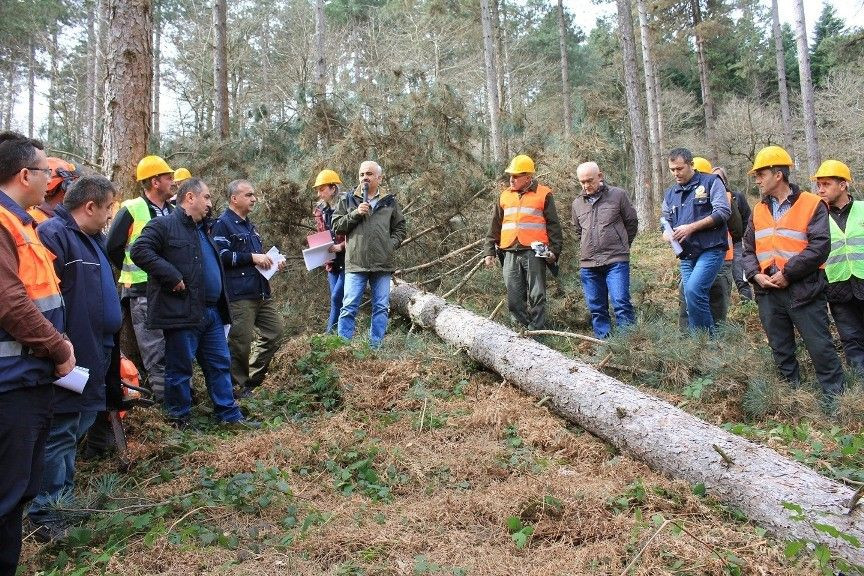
780, 320
25, 419
525, 281
849, 319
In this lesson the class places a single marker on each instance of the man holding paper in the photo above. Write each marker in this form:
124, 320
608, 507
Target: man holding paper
93, 317
253, 310
371, 220
34, 350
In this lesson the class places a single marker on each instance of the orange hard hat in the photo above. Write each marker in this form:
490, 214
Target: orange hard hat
62, 175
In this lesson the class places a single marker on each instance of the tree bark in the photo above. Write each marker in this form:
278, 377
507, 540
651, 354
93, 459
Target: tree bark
9, 102
704, 82
491, 81
31, 89
157, 72
220, 67
783, 89
642, 182
53, 50
97, 128
128, 85
320, 52
750, 477
565, 71
813, 156
654, 149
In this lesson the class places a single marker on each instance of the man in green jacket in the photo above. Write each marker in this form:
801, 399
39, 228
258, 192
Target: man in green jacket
371, 220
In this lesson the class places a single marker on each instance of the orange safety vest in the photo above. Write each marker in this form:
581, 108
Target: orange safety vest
37, 214
730, 252
523, 217
778, 241
36, 271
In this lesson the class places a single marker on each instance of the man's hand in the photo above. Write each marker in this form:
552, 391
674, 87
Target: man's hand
66, 367
262, 260
337, 248
681, 232
779, 280
282, 264
766, 281
180, 287
363, 208
489, 261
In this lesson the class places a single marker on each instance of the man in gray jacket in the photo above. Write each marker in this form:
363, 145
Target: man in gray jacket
371, 220
605, 224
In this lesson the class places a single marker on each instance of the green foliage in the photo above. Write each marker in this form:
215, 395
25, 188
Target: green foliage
321, 380
354, 470
634, 496
518, 455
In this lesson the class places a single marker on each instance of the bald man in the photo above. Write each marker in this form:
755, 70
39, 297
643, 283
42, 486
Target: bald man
605, 225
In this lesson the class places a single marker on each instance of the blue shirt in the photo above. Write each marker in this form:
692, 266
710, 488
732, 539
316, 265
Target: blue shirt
210, 266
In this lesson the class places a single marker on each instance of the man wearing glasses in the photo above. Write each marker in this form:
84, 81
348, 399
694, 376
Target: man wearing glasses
33, 350
525, 227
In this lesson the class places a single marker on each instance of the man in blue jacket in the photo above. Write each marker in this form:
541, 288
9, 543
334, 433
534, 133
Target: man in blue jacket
186, 300
697, 210
93, 317
252, 306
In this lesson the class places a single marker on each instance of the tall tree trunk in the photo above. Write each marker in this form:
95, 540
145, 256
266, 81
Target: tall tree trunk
642, 181
31, 89
780, 58
9, 103
654, 112
658, 95
90, 89
704, 82
128, 86
491, 81
320, 52
52, 83
751, 478
220, 67
565, 71
97, 126
508, 97
155, 135
813, 156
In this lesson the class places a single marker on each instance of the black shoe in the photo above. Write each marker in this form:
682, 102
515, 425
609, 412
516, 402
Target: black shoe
179, 423
242, 424
245, 392
48, 532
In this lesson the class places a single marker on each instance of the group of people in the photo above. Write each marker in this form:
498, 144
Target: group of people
793, 253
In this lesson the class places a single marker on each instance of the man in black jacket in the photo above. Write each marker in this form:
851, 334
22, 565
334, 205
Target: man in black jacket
186, 300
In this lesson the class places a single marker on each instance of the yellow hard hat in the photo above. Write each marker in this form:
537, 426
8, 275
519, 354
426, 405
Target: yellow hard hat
702, 165
326, 177
771, 156
182, 174
833, 169
150, 166
521, 164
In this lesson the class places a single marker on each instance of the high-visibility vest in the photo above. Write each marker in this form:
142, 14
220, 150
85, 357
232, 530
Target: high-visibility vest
778, 241
37, 214
140, 212
847, 247
730, 251
523, 217
36, 271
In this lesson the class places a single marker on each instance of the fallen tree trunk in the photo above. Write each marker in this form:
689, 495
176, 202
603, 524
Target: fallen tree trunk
751, 477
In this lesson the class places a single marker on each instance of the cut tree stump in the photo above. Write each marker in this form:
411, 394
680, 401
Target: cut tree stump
750, 477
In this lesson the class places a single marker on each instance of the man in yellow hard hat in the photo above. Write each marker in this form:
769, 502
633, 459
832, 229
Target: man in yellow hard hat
156, 179
327, 186
526, 228
844, 268
785, 246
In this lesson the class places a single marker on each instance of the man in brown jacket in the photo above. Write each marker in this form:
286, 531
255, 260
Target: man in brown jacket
605, 224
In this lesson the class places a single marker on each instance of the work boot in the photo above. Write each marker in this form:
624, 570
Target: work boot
242, 424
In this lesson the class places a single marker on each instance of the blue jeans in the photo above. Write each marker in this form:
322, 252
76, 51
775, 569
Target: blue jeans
58, 477
337, 291
355, 285
205, 343
697, 276
602, 283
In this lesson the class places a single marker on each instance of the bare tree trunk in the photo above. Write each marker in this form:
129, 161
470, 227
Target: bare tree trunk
491, 81
128, 85
97, 128
90, 88
52, 83
320, 52
220, 67
651, 100
745, 475
31, 89
813, 156
565, 71
785, 113
704, 82
642, 182
155, 135
508, 96
9, 103
661, 140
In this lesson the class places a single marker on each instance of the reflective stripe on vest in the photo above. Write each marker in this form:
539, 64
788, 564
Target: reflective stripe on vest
778, 241
36, 271
523, 217
140, 212
847, 247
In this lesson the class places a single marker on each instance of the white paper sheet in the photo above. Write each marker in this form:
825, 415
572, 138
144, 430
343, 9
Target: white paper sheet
75, 380
277, 259
318, 256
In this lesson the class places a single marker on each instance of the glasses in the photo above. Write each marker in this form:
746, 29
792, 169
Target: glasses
45, 171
